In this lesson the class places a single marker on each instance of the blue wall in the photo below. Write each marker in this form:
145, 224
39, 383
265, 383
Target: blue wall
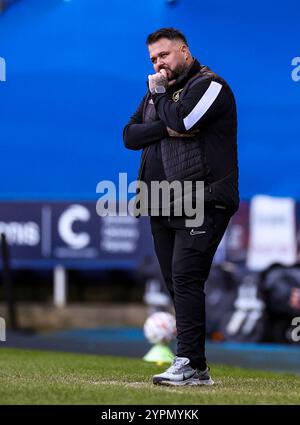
76, 71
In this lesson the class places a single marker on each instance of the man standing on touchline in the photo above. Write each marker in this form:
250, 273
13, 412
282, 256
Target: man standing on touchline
186, 125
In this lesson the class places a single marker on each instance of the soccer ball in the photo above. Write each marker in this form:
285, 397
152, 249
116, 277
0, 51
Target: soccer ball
160, 327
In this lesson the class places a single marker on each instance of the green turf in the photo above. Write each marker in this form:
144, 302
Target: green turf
40, 377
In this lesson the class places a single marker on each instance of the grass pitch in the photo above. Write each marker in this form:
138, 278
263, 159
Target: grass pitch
41, 377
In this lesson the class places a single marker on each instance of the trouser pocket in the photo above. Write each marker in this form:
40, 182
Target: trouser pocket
208, 235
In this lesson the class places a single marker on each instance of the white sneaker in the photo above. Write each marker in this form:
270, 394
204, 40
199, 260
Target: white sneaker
181, 373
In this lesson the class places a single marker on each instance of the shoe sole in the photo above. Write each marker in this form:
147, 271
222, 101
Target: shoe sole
190, 382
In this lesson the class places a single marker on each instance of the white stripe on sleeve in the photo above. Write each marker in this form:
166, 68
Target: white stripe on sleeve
203, 105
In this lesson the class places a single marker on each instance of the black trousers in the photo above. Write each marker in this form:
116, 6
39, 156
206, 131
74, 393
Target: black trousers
185, 256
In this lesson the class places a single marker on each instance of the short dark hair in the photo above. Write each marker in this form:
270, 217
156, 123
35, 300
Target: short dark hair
169, 33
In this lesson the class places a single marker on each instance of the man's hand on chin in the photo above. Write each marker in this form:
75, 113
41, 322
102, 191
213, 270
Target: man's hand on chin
158, 79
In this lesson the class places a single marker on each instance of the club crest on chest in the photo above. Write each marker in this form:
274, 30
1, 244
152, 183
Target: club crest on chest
175, 95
